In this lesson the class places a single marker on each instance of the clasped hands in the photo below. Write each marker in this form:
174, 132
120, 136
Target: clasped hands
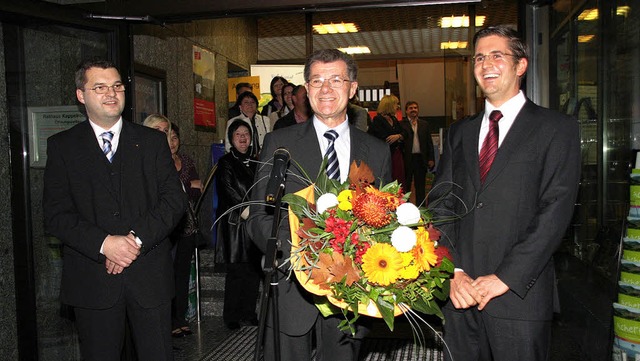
466, 292
120, 251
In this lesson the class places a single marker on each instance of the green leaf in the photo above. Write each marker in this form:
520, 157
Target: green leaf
325, 307
297, 204
386, 310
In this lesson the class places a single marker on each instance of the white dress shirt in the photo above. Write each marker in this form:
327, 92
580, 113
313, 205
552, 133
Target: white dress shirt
342, 144
509, 110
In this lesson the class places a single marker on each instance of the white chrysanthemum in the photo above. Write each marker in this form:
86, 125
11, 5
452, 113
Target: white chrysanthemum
326, 201
403, 239
408, 214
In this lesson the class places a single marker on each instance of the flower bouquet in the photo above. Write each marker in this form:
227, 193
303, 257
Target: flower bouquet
366, 249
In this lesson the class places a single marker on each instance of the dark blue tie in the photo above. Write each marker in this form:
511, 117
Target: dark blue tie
333, 167
106, 144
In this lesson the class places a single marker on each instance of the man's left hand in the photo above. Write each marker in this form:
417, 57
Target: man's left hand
489, 287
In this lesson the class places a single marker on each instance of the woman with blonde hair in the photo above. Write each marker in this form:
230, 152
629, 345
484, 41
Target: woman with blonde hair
385, 126
159, 122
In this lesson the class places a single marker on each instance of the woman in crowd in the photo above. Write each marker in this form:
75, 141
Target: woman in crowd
385, 126
233, 247
184, 234
159, 122
276, 96
287, 91
260, 125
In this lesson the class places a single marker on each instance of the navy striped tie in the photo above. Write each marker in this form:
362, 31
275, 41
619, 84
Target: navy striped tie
333, 167
106, 144
490, 145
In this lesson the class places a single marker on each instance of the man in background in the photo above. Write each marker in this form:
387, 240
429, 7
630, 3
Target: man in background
514, 170
112, 196
418, 151
301, 109
234, 111
331, 79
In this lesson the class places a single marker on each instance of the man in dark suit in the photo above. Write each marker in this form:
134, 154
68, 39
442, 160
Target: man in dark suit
331, 79
418, 151
301, 109
113, 199
519, 201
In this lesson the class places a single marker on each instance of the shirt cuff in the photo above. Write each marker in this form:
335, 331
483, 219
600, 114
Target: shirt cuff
458, 270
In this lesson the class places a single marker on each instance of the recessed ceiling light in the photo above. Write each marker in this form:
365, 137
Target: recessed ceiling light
335, 28
460, 21
588, 15
585, 38
453, 45
355, 50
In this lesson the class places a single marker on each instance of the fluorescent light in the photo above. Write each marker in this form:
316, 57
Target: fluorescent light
623, 10
585, 38
453, 45
588, 15
355, 50
335, 28
460, 21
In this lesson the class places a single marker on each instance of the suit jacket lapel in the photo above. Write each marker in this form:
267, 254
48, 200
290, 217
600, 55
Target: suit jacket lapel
522, 126
359, 147
470, 143
128, 147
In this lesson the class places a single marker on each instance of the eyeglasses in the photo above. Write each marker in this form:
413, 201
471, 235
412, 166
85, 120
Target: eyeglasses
104, 89
335, 82
495, 57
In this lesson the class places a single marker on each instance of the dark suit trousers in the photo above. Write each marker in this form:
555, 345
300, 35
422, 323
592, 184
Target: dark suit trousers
185, 245
473, 335
241, 289
102, 332
416, 170
331, 343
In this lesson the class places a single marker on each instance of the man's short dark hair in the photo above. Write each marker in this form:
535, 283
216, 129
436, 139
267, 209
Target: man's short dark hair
329, 56
518, 48
82, 68
239, 86
410, 102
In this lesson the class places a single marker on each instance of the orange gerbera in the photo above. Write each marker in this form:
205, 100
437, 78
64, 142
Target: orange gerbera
424, 250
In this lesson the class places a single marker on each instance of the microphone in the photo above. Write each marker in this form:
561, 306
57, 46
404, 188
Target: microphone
275, 186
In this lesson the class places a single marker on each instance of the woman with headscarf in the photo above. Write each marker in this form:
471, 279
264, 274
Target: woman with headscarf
233, 247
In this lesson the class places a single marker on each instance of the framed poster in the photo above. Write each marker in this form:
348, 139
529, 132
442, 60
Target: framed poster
149, 87
45, 122
204, 78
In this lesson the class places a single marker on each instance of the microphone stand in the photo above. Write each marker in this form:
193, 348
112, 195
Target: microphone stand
270, 284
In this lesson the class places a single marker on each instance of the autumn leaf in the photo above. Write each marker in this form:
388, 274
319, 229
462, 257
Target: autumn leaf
343, 267
321, 274
360, 175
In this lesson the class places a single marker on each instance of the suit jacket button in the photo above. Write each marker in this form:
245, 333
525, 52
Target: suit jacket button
116, 214
479, 205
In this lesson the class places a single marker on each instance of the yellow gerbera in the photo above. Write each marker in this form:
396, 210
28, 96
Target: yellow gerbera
344, 199
409, 269
382, 264
424, 251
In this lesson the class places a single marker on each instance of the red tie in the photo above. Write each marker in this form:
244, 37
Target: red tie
490, 145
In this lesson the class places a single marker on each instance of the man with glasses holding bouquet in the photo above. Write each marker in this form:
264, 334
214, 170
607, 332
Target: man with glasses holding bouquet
112, 196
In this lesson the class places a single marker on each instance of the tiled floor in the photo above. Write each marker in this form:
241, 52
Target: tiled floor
211, 332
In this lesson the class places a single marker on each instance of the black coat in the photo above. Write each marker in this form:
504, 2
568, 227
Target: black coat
234, 179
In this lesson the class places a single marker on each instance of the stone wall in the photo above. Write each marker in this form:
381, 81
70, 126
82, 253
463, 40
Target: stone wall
169, 48
8, 341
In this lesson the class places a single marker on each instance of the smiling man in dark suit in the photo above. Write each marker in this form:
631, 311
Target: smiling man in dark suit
331, 79
517, 166
112, 196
